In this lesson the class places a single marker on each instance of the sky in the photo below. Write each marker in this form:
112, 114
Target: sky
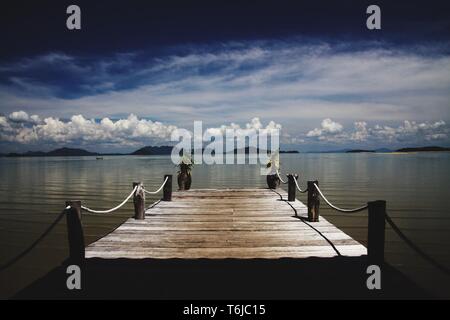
136, 72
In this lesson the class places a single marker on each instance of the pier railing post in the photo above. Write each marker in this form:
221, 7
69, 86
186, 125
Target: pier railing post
75, 233
291, 186
139, 202
376, 232
167, 190
313, 201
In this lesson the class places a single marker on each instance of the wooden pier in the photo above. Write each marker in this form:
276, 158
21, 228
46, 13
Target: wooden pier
225, 244
225, 223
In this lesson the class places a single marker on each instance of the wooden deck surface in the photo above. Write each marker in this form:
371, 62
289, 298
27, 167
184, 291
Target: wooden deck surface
225, 223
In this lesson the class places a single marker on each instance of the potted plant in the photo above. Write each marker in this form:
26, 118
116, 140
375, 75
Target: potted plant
273, 166
184, 173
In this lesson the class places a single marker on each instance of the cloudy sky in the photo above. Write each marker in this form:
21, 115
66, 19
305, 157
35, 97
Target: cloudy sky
136, 72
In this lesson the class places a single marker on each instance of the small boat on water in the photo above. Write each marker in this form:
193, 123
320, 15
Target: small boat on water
99, 158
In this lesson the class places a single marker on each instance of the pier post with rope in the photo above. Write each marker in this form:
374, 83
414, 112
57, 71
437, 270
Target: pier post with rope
73, 212
75, 232
376, 232
313, 201
167, 190
139, 201
291, 186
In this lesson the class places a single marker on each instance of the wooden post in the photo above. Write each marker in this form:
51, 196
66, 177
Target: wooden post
375, 235
313, 201
291, 186
75, 233
167, 190
139, 202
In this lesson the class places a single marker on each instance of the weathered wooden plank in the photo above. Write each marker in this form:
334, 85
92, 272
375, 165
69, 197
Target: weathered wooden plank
218, 228
193, 242
229, 223
221, 253
238, 233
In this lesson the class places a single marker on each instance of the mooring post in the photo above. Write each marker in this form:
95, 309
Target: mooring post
291, 186
313, 201
167, 190
375, 235
139, 201
75, 233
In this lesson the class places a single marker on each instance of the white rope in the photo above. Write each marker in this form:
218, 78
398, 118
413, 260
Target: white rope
336, 208
154, 192
279, 177
115, 208
35, 243
298, 188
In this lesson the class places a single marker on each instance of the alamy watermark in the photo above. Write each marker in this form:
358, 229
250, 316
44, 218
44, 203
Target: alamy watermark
373, 21
73, 21
73, 281
226, 146
373, 282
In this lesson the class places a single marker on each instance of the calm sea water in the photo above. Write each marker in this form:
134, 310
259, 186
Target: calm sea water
416, 186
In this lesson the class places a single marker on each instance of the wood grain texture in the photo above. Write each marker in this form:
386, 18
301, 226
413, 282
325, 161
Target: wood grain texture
225, 223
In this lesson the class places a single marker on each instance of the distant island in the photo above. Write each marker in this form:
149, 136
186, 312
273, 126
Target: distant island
423, 149
359, 151
416, 149
61, 152
246, 150
380, 150
74, 152
149, 150
167, 150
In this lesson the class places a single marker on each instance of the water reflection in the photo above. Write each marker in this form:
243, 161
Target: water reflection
33, 191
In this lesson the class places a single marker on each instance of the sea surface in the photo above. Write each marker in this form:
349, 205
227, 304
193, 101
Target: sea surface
416, 187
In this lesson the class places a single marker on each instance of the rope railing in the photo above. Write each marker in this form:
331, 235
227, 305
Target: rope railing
337, 208
415, 248
75, 231
394, 227
36, 242
377, 217
376, 228
138, 193
115, 208
279, 177
160, 188
298, 187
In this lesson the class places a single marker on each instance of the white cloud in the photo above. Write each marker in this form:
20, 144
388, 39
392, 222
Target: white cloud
22, 116
407, 132
411, 130
282, 81
19, 116
130, 131
3, 122
361, 133
35, 118
328, 127
251, 128
20, 127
